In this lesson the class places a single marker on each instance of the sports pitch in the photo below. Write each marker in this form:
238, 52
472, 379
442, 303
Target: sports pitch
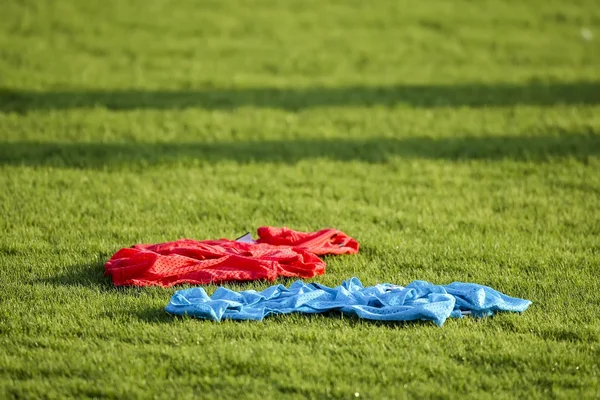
455, 140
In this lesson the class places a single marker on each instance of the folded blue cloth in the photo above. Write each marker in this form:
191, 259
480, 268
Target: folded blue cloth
419, 300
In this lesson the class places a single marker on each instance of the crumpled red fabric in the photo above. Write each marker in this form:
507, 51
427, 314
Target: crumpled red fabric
277, 252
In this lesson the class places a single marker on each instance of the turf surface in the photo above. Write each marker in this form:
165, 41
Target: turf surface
457, 141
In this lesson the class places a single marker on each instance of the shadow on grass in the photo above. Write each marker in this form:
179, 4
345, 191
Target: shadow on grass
92, 276
426, 96
156, 315
84, 275
352, 320
159, 315
376, 150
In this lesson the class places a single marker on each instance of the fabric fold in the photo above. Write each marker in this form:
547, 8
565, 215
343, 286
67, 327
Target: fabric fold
418, 300
277, 252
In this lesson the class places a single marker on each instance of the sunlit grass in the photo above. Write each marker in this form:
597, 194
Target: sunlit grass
456, 141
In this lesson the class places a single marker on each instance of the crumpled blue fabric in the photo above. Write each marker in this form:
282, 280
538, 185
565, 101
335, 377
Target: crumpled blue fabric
419, 300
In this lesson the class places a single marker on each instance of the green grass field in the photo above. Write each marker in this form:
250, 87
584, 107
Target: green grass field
455, 140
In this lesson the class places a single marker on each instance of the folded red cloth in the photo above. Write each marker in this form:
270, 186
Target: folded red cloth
326, 241
278, 252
